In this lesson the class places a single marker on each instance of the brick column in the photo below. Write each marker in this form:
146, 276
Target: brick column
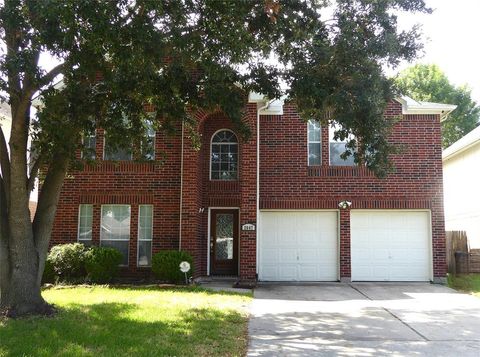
248, 208
325, 146
191, 200
345, 256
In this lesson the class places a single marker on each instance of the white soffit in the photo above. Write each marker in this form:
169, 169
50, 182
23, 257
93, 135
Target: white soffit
412, 106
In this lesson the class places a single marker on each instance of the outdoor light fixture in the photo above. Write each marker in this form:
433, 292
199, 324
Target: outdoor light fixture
344, 204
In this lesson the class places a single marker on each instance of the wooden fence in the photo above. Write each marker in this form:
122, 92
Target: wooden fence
460, 258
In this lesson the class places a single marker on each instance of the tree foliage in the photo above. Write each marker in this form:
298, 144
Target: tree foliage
177, 55
427, 82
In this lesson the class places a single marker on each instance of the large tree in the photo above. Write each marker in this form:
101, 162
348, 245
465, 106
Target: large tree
427, 82
177, 55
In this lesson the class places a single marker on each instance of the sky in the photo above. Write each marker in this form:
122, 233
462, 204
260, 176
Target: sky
451, 40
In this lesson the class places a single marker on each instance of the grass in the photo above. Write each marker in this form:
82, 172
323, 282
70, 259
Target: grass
106, 321
469, 283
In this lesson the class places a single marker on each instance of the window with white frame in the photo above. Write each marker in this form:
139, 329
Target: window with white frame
89, 145
113, 152
115, 229
145, 234
148, 144
85, 217
337, 148
314, 143
224, 156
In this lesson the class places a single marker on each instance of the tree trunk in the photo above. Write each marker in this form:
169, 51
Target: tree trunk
4, 261
47, 207
20, 290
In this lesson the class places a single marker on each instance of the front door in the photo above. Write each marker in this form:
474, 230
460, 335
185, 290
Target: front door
224, 242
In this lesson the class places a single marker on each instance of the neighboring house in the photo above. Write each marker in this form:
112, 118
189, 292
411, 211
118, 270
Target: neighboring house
461, 177
276, 219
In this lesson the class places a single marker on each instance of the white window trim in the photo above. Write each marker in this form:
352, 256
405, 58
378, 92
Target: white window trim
313, 142
210, 157
143, 240
83, 143
78, 223
118, 240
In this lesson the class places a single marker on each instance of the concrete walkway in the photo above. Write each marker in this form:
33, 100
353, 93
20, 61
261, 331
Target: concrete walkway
363, 320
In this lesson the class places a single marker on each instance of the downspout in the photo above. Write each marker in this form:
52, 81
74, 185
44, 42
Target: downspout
181, 194
258, 172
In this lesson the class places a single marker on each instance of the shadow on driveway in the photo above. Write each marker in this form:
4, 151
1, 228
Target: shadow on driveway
363, 320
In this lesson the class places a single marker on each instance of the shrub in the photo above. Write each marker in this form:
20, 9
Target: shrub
102, 264
48, 273
68, 261
166, 265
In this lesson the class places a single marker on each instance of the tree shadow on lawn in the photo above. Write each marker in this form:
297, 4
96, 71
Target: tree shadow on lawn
114, 329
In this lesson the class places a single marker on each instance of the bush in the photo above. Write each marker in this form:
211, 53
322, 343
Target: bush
48, 273
166, 265
102, 263
68, 261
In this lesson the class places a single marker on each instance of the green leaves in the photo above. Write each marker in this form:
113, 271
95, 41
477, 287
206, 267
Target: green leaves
179, 56
428, 83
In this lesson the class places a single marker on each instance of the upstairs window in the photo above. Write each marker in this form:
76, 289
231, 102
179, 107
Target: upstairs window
148, 144
89, 145
145, 150
224, 156
114, 152
337, 148
314, 134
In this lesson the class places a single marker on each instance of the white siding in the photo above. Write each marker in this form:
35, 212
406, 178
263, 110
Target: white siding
461, 176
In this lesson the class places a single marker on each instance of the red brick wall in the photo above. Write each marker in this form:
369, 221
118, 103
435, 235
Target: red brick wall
125, 183
286, 181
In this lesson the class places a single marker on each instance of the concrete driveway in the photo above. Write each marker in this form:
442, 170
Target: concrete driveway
364, 319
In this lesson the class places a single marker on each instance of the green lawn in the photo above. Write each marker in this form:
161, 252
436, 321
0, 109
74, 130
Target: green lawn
102, 321
468, 283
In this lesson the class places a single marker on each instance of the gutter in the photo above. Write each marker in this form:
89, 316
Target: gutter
259, 109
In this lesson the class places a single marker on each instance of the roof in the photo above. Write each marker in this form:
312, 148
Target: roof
412, 106
469, 140
409, 106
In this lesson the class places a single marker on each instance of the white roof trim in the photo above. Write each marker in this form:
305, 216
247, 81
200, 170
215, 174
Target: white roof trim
412, 106
469, 140
275, 107
409, 106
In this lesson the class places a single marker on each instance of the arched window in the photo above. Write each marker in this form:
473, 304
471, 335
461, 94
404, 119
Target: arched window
224, 156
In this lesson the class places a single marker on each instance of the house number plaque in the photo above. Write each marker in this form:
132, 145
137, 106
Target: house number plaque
248, 227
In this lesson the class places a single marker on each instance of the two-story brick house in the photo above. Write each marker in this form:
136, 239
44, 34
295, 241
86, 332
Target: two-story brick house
282, 206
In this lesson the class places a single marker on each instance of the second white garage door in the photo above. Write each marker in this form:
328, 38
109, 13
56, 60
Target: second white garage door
390, 245
298, 246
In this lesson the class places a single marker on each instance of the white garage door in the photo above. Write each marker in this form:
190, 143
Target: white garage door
390, 246
298, 246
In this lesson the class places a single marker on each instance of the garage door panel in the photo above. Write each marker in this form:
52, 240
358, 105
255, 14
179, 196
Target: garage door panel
394, 244
307, 249
308, 272
270, 271
287, 255
271, 256
287, 271
308, 255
